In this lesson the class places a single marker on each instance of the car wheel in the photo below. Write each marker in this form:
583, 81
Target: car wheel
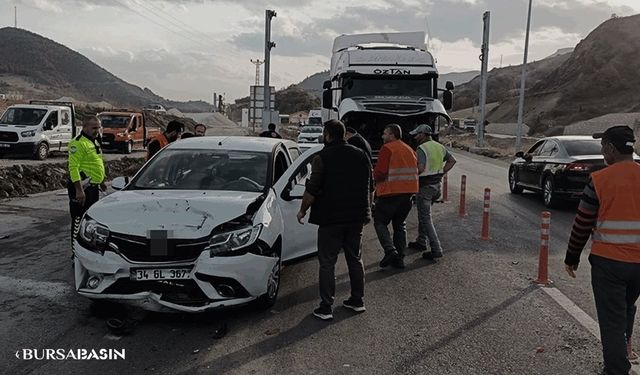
548, 193
42, 151
268, 299
128, 147
513, 182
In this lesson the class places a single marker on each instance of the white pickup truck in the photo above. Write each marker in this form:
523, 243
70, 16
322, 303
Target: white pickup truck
36, 129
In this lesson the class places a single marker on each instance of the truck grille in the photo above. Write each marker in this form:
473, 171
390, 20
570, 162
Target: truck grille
399, 108
108, 137
8, 137
137, 249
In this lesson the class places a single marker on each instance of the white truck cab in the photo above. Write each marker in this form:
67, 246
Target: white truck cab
37, 128
382, 78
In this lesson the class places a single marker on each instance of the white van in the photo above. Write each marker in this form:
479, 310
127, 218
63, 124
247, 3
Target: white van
37, 128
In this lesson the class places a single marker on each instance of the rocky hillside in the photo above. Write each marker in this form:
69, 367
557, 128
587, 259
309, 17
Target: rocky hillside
599, 77
39, 67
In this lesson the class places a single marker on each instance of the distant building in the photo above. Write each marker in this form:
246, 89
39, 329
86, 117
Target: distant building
298, 118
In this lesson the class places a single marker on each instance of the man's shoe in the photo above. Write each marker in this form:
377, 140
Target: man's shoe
416, 246
398, 263
388, 258
430, 255
355, 305
323, 313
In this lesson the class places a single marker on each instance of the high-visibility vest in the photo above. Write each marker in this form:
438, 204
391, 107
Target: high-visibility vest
402, 176
617, 233
162, 140
435, 153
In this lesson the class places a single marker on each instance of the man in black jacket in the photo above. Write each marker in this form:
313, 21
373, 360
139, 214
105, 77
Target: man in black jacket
340, 213
355, 139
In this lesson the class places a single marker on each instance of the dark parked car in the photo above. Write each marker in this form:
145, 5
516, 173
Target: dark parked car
559, 167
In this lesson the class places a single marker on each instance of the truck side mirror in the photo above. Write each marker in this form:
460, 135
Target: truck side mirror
327, 99
326, 85
447, 100
449, 85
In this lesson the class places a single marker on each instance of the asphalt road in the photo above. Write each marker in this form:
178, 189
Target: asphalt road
474, 312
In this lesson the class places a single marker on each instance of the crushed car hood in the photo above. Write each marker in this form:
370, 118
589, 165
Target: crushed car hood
186, 214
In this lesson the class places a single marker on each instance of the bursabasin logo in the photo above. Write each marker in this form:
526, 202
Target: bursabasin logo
71, 354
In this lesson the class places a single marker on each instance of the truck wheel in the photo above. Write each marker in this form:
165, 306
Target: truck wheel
42, 152
128, 147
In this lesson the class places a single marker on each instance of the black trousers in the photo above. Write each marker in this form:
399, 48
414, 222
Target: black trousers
92, 194
394, 210
616, 287
331, 239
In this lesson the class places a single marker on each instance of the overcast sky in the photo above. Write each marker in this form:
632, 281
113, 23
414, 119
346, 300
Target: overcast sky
186, 49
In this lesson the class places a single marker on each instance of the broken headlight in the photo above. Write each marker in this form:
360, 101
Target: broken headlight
230, 241
93, 233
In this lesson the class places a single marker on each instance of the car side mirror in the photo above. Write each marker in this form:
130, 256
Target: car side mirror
520, 154
294, 193
119, 183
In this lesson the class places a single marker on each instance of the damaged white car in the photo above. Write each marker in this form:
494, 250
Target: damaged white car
205, 224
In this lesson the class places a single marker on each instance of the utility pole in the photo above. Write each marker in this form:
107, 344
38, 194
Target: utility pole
257, 63
215, 100
268, 45
15, 16
484, 57
522, 82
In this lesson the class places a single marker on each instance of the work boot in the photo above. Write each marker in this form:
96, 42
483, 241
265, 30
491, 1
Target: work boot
430, 255
417, 246
388, 258
398, 263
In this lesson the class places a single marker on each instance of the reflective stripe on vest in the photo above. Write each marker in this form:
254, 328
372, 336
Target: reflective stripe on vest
617, 233
435, 153
402, 176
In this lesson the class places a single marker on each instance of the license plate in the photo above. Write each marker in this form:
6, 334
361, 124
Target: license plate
4, 145
160, 274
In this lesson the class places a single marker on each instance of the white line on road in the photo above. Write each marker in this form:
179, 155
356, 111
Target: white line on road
582, 317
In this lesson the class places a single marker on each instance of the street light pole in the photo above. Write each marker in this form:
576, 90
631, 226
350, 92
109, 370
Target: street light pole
268, 44
522, 81
484, 57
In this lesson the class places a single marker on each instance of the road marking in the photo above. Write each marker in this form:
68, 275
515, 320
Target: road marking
582, 317
53, 291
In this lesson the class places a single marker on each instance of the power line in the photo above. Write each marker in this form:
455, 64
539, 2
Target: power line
164, 18
159, 24
201, 34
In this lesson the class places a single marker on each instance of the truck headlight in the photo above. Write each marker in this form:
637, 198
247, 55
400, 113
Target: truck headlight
28, 133
230, 241
121, 134
93, 233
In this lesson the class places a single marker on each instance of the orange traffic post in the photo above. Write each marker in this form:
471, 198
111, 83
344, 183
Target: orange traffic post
485, 215
445, 189
543, 262
463, 187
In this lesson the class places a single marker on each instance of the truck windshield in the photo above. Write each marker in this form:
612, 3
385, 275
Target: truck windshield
114, 121
388, 86
23, 116
183, 169
315, 121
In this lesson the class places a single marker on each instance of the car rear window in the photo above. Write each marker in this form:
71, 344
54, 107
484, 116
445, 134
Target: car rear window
583, 147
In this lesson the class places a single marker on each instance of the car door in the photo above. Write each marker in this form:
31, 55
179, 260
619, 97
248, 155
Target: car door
527, 170
64, 130
298, 239
544, 160
51, 130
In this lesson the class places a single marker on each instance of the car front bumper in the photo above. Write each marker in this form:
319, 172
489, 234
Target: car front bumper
246, 274
20, 148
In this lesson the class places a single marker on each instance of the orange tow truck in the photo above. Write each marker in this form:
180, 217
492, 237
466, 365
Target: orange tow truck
124, 130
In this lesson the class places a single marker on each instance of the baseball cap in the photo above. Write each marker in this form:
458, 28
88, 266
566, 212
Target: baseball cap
422, 128
621, 136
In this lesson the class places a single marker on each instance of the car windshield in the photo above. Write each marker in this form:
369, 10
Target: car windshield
583, 147
114, 121
311, 129
315, 121
181, 169
23, 116
393, 86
